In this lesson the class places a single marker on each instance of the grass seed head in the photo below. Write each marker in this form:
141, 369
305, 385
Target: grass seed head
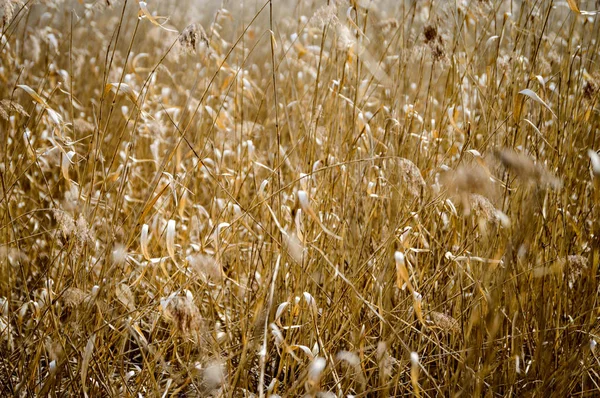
183, 313
193, 38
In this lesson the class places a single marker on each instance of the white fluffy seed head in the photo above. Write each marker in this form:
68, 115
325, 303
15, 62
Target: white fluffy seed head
414, 358
129, 375
351, 358
595, 159
399, 257
214, 372
316, 369
303, 199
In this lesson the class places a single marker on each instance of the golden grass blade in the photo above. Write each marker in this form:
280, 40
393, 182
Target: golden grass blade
574, 6
85, 362
148, 207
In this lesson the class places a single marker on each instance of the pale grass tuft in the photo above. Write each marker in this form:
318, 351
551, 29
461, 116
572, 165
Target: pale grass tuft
74, 297
8, 8
528, 170
192, 38
7, 107
206, 266
578, 267
469, 178
411, 176
444, 322
82, 126
483, 209
315, 372
183, 314
212, 378
388, 25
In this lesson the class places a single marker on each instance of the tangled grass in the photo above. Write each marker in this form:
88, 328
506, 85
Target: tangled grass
298, 198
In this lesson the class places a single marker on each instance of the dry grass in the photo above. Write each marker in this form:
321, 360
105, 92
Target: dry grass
299, 199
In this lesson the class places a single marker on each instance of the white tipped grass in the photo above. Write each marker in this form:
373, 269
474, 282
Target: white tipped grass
6, 332
277, 334
595, 161
144, 240
402, 277
414, 373
399, 257
418, 306
294, 247
280, 309
170, 238
310, 300
67, 161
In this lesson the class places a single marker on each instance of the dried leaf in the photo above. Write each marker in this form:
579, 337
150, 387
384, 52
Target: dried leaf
145, 13
303, 348
531, 94
280, 310
33, 95
144, 242
122, 88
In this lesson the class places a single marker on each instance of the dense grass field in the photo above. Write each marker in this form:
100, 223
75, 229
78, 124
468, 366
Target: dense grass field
299, 198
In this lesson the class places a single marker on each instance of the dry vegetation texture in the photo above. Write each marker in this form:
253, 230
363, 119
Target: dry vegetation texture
299, 198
